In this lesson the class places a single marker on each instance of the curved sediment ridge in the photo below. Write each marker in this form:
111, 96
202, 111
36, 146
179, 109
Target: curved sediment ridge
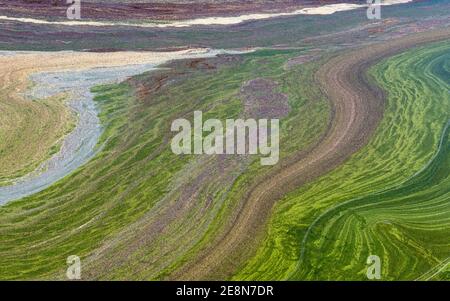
327, 9
357, 109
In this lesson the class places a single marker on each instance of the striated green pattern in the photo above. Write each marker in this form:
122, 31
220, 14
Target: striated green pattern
106, 206
407, 226
391, 199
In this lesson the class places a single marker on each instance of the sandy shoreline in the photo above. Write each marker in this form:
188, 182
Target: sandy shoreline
232, 20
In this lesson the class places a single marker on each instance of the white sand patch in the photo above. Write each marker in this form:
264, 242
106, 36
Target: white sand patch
320, 10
